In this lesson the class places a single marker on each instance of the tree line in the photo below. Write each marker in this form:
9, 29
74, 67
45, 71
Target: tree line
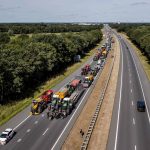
139, 34
27, 28
26, 62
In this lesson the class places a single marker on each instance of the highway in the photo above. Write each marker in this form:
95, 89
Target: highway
37, 132
130, 129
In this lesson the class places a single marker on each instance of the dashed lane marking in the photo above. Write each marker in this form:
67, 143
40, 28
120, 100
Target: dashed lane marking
132, 103
22, 122
35, 122
133, 121
135, 147
28, 130
19, 140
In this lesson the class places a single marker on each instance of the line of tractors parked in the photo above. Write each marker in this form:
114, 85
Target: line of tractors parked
60, 104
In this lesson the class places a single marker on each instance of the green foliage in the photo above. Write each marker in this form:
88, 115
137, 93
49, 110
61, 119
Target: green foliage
10, 32
139, 34
4, 38
26, 28
26, 61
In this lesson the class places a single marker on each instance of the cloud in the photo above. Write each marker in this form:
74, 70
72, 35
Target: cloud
2, 8
139, 3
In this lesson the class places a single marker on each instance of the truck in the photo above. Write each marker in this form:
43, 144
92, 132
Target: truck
39, 104
62, 108
70, 102
88, 81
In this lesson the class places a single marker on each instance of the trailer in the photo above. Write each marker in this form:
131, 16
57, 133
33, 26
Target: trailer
61, 108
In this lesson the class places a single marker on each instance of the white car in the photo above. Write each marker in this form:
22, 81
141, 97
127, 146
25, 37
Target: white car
6, 136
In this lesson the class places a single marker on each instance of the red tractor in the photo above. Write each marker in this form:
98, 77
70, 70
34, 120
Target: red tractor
47, 96
85, 69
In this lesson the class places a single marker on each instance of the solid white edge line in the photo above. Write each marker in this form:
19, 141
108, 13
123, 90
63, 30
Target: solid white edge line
45, 131
42, 114
22, 122
72, 116
116, 138
141, 86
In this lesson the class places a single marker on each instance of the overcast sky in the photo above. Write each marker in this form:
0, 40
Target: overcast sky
74, 10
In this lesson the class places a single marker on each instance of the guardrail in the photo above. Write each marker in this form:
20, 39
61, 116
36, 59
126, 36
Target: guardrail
96, 113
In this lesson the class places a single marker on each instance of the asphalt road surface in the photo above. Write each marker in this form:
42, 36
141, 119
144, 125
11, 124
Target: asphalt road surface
37, 132
130, 129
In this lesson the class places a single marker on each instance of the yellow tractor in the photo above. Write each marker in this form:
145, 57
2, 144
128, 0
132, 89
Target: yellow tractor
38, 105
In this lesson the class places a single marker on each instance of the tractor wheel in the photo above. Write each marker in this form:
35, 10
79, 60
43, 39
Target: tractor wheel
32, 111
40, 109
68, 112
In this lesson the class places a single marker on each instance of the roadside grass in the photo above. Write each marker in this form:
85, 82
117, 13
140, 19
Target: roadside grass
9, 110
143, 59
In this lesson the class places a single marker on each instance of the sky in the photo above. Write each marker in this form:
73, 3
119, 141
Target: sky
74, 10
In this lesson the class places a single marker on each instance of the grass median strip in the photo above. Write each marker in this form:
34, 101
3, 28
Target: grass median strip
9, 110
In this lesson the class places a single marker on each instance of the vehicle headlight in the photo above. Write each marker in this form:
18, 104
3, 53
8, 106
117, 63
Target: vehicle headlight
3, 143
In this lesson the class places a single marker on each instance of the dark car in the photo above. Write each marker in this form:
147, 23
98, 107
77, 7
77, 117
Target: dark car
141, 106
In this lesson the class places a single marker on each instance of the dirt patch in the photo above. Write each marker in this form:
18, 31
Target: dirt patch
100, 134
74, 139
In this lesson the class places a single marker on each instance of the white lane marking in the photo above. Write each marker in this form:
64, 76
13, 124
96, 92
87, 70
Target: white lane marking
31, 115
45, 131
35, 122
22, 122
132, 103
28, 130
19, 140
130, 82
131, 90
133, 121
71, 117
116, 138
135, 147
141, 86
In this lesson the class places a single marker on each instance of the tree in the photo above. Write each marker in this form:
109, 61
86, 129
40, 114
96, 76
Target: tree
4, 38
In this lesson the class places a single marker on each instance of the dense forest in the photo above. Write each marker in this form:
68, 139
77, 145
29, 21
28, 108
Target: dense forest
44, 28
139, 34
26, 61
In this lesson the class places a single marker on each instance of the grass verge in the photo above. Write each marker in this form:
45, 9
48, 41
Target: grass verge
11, 109
143, 59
